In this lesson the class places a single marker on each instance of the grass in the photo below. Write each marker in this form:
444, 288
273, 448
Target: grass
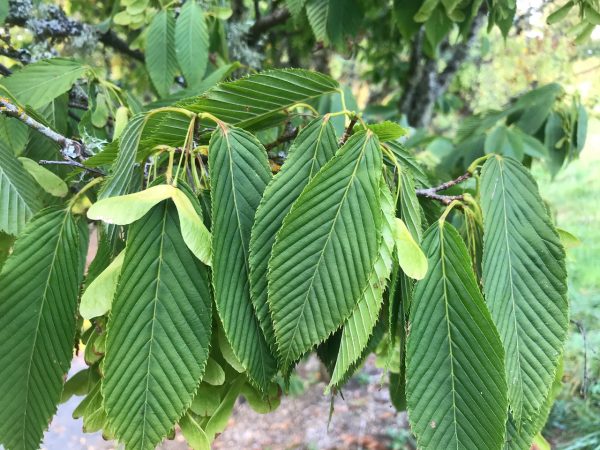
574, 197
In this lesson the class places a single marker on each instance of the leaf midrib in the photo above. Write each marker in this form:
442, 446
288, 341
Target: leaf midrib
512, 289
337, 213
39, 319
155, 300
225, 133
447, 314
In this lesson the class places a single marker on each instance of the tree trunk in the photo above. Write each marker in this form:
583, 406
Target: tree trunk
425, 82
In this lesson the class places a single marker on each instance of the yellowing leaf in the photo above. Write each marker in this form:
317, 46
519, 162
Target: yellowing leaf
126, 209
568, 240
49, 182
213, 373
121, 118
193, 433
195, 234
411, 258
97, 298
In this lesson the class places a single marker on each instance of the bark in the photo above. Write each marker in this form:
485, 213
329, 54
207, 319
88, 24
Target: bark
425, 82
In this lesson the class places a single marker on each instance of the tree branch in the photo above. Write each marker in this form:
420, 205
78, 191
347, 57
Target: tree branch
70, 148
57, 25
265, 23
72, 163
348, 130
432, 192
110, 39
285, 137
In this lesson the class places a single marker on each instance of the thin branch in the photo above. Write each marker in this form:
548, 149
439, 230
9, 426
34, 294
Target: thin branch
72, 163
70, 148
5, 70
348, 130
110, 39
432, 192
584, 386
445, 199
446, 185
265, 23
285, 137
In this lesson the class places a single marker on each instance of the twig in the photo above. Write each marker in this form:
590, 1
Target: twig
5, 70
70, 148
446, 185
348, 130
265, 23
110, 39
285, 137
445, 199
432, 192
72, 163
583, 389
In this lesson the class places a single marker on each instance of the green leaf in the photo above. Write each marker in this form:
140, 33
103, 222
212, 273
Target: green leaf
326, 248
503, 141
206, 400
159, 332
161, 60
317, 12
359, 326
582, 126
387, 131
218, 421
100, 115
19, 195
193, 433
214, 373
6, 243
455, 388
262, 403
79, 384
227, 353
555, 142
14, 134
345, 21
49, 182
560, 13
191, 38
295, 7
39, 83
401, 291
39, 284
254, 101
411, 258
92, 411
531, 146
524, 437
98, 297
239, 174
122, 170
315, 145
4, 10
524, 281
407, 161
